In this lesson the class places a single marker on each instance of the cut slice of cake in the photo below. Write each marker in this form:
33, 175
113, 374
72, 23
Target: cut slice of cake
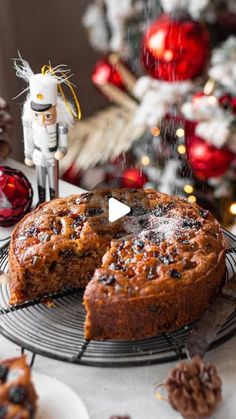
18, 398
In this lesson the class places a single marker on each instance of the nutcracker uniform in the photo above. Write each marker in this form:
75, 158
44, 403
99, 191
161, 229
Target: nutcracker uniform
46, 118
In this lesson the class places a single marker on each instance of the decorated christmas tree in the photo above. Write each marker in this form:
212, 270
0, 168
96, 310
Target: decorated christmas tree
167, 70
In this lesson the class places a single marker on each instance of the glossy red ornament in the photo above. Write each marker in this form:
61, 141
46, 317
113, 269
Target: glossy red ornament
175, 48
72, 175
233, 105
197, 97
16, 195
228, 102
225, 101
205, 160
133, 178
105, 72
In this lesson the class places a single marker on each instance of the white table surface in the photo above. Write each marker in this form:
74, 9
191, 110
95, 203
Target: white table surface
109, 391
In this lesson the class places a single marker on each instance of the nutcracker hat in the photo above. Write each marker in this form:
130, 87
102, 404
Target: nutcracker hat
43, 92
45, 87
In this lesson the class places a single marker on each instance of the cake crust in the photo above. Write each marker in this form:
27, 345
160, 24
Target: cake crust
152, 271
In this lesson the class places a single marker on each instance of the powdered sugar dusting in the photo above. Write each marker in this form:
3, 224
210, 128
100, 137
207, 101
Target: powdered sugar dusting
165, 227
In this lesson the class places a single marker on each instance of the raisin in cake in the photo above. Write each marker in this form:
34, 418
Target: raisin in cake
153, 270
18, 399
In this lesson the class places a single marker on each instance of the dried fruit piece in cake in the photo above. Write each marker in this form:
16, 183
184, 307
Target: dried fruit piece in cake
18, 398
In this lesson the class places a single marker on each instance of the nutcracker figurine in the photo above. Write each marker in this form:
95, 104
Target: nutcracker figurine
47, 116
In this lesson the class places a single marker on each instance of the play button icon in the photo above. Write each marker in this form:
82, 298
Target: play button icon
116, 209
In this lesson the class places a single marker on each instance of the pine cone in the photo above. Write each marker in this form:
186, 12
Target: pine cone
194, 389
6, 128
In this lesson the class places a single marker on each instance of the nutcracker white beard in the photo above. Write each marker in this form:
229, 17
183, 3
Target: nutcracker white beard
64, 116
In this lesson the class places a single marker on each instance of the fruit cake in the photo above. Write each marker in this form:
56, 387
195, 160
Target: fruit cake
153, 270
18, 399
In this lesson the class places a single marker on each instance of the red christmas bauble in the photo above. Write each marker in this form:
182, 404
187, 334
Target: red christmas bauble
226, 101
16, 195
105, 72
205, 160
72, 175
133, 178
197, 97
175, 48
233, 105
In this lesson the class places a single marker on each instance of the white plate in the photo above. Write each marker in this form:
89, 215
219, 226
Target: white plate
57, 400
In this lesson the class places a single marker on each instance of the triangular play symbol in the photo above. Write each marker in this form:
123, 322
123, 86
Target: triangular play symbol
116, 209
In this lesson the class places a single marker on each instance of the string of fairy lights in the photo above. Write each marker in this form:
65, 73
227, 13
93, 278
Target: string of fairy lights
145, 160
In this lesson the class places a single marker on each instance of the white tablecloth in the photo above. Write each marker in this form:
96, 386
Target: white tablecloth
109, 391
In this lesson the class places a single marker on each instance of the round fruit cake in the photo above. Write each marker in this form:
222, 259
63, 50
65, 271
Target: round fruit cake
151, 271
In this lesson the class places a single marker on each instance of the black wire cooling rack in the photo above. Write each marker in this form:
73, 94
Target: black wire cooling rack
57, 331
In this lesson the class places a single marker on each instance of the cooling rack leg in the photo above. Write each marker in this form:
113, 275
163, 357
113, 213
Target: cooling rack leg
32, 357
178, 350
81, 352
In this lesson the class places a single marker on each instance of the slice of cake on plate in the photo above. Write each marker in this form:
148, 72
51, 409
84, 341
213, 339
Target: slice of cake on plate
18, 398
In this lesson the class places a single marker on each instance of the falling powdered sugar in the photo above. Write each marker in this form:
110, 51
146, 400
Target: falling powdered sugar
154, 228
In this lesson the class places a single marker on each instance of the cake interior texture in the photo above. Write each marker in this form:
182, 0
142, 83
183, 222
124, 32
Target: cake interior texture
152, 271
